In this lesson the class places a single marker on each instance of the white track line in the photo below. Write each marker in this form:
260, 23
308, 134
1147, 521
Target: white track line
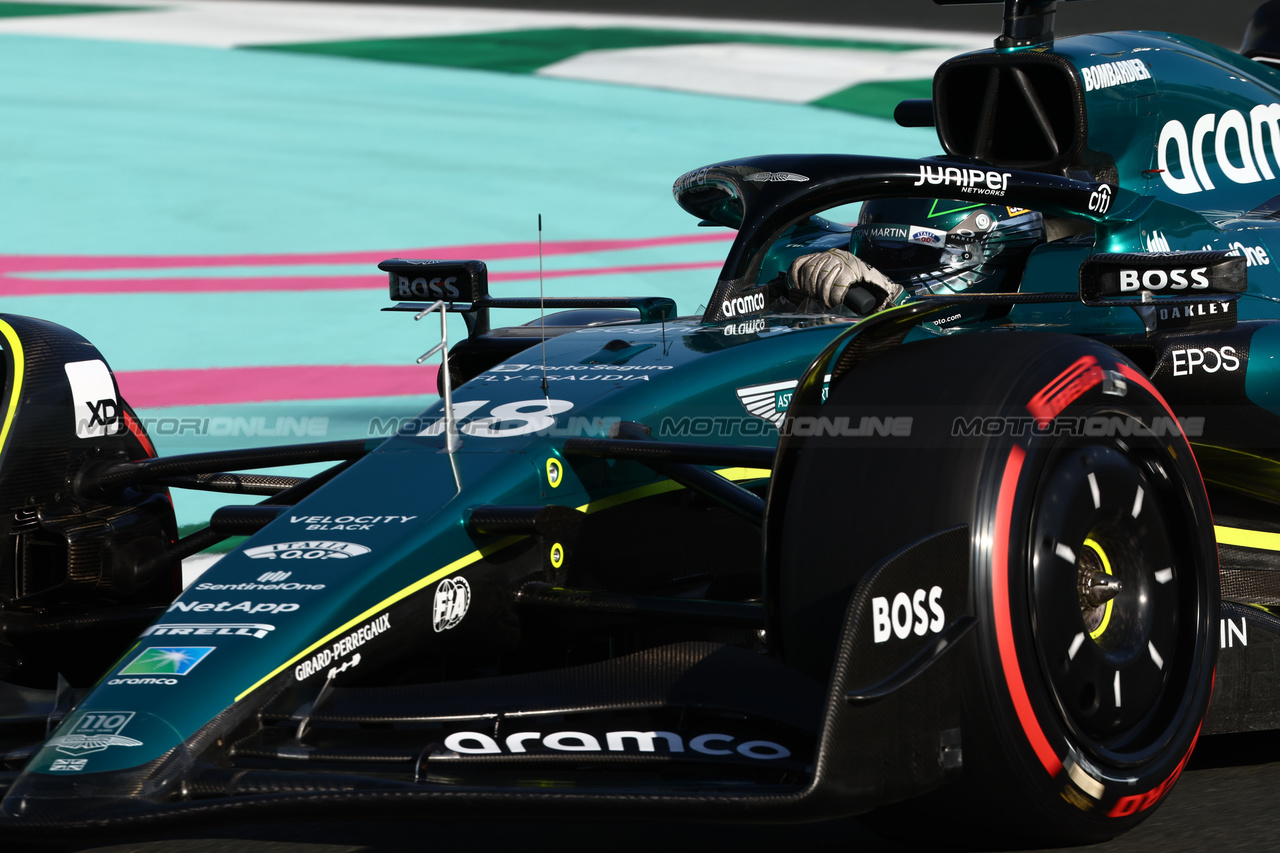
232, 23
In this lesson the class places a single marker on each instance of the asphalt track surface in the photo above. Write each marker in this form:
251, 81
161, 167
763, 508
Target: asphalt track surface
1224, 801
1219, 21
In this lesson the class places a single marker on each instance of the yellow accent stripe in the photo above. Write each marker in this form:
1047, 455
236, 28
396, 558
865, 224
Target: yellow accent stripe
734, 474
19, 368
628, 496
1247, 538
460, 563
738, 474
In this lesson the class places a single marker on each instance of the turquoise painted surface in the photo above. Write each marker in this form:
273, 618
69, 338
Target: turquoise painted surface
115, 149
127, 148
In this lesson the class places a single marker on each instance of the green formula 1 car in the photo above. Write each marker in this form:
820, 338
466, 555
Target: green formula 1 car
1001, 553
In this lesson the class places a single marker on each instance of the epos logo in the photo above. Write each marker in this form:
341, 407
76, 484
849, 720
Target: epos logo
1206, 360
907, 615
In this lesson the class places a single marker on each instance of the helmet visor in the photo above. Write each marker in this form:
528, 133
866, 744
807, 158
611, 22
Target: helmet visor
904, 252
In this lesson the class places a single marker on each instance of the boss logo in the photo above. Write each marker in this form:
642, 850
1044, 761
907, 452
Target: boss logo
1206, 360
435, 288
906, 615
1183, 279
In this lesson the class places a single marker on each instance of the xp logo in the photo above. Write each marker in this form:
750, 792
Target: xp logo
309, 550
94, 732
1100, 199
166, 660
453, 597
102, 413
906, 615
93, 394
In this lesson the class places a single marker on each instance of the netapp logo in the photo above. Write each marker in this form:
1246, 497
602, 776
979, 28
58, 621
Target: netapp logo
228, 607
1174, 279
476, 743
907, 615
742, 305
1110, 74
1233, 137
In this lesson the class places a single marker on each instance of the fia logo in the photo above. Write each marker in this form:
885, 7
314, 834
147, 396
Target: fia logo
453, 597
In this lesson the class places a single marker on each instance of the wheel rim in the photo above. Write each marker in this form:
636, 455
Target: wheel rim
1108, 589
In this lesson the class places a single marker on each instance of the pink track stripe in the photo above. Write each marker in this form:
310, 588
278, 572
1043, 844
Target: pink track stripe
147, 389
60, 287
485, 251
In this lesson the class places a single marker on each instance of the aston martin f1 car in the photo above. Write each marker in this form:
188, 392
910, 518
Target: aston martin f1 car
1005, 555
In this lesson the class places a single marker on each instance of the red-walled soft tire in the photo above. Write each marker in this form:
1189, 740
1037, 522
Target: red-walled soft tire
1066, 464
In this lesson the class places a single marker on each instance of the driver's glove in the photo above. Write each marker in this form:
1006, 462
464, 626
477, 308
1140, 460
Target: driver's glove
827, 277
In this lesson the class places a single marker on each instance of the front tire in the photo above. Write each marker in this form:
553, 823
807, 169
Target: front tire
1093, 569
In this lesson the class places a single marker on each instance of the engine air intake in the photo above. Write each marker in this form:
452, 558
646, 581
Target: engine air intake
1021, 111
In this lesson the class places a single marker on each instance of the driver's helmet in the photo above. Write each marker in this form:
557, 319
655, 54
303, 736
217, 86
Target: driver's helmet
943, 247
